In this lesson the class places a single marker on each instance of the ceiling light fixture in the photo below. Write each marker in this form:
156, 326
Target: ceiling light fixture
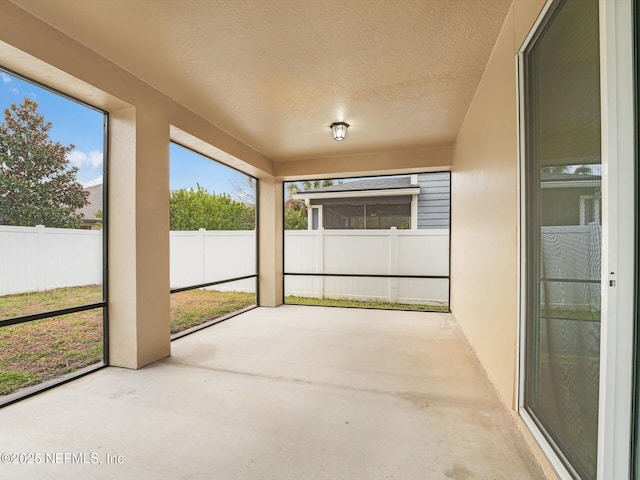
339, 130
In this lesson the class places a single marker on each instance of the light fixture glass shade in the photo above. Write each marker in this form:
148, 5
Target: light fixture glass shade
339, 130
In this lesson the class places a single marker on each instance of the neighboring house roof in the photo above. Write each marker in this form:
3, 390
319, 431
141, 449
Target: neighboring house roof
568, 177
366, 184
377, 187
566, 180
94, 203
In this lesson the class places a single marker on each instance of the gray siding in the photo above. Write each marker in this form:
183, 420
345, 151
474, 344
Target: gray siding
434, 200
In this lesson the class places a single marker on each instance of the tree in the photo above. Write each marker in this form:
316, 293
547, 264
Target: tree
37, 185
294, 219
98, 225
245, 190
295, 211
191, 209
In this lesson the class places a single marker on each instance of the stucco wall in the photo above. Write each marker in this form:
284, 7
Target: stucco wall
484, 262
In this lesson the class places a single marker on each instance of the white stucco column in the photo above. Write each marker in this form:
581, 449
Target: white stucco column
138, 237
271, 238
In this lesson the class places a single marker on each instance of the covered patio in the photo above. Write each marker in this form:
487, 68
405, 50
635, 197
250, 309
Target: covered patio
498, 94
288, 393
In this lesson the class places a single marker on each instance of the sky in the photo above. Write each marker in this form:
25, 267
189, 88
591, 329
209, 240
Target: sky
81, 126
187, 168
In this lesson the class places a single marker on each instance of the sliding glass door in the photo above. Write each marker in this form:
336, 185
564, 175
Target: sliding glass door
562, 220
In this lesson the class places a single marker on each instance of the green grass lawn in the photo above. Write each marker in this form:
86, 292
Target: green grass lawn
34, 352
195, 307
41, 350
293, 300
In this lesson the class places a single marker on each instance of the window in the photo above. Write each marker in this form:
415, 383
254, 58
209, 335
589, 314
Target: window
53, 220
213, 241
368, 216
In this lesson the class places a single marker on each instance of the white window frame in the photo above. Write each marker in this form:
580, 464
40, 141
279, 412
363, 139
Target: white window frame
310, 209
414, 212
617, 317
594, 201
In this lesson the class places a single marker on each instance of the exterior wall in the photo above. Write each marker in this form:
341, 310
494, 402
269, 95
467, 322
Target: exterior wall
484, 258
484, 218
485, 214
434, 200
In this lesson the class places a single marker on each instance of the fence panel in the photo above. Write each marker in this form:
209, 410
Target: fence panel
571, 266
208, 256
38, 258
378, 252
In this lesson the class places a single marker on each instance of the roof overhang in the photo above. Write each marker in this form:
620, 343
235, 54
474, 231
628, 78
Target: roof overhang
358, 193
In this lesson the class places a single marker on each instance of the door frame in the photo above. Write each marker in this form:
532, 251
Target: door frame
618, 243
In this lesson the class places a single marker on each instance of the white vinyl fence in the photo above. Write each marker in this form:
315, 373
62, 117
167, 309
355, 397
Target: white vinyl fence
377, 252
208, 256
571, 266
38, 258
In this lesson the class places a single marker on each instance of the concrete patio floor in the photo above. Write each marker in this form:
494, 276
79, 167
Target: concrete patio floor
280, 393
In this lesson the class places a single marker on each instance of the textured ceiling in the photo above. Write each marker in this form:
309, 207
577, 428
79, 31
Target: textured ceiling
276, 73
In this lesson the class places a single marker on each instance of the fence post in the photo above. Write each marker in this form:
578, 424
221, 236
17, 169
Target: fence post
320, 261
393, 264
40, 257
204, 254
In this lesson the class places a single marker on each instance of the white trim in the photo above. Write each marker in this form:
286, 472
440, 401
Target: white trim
546, 448
309, 214
617, 324
522, 236
310, 209
521, 239
554, 459
414, 212
536, 25
358, 193
594, 200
